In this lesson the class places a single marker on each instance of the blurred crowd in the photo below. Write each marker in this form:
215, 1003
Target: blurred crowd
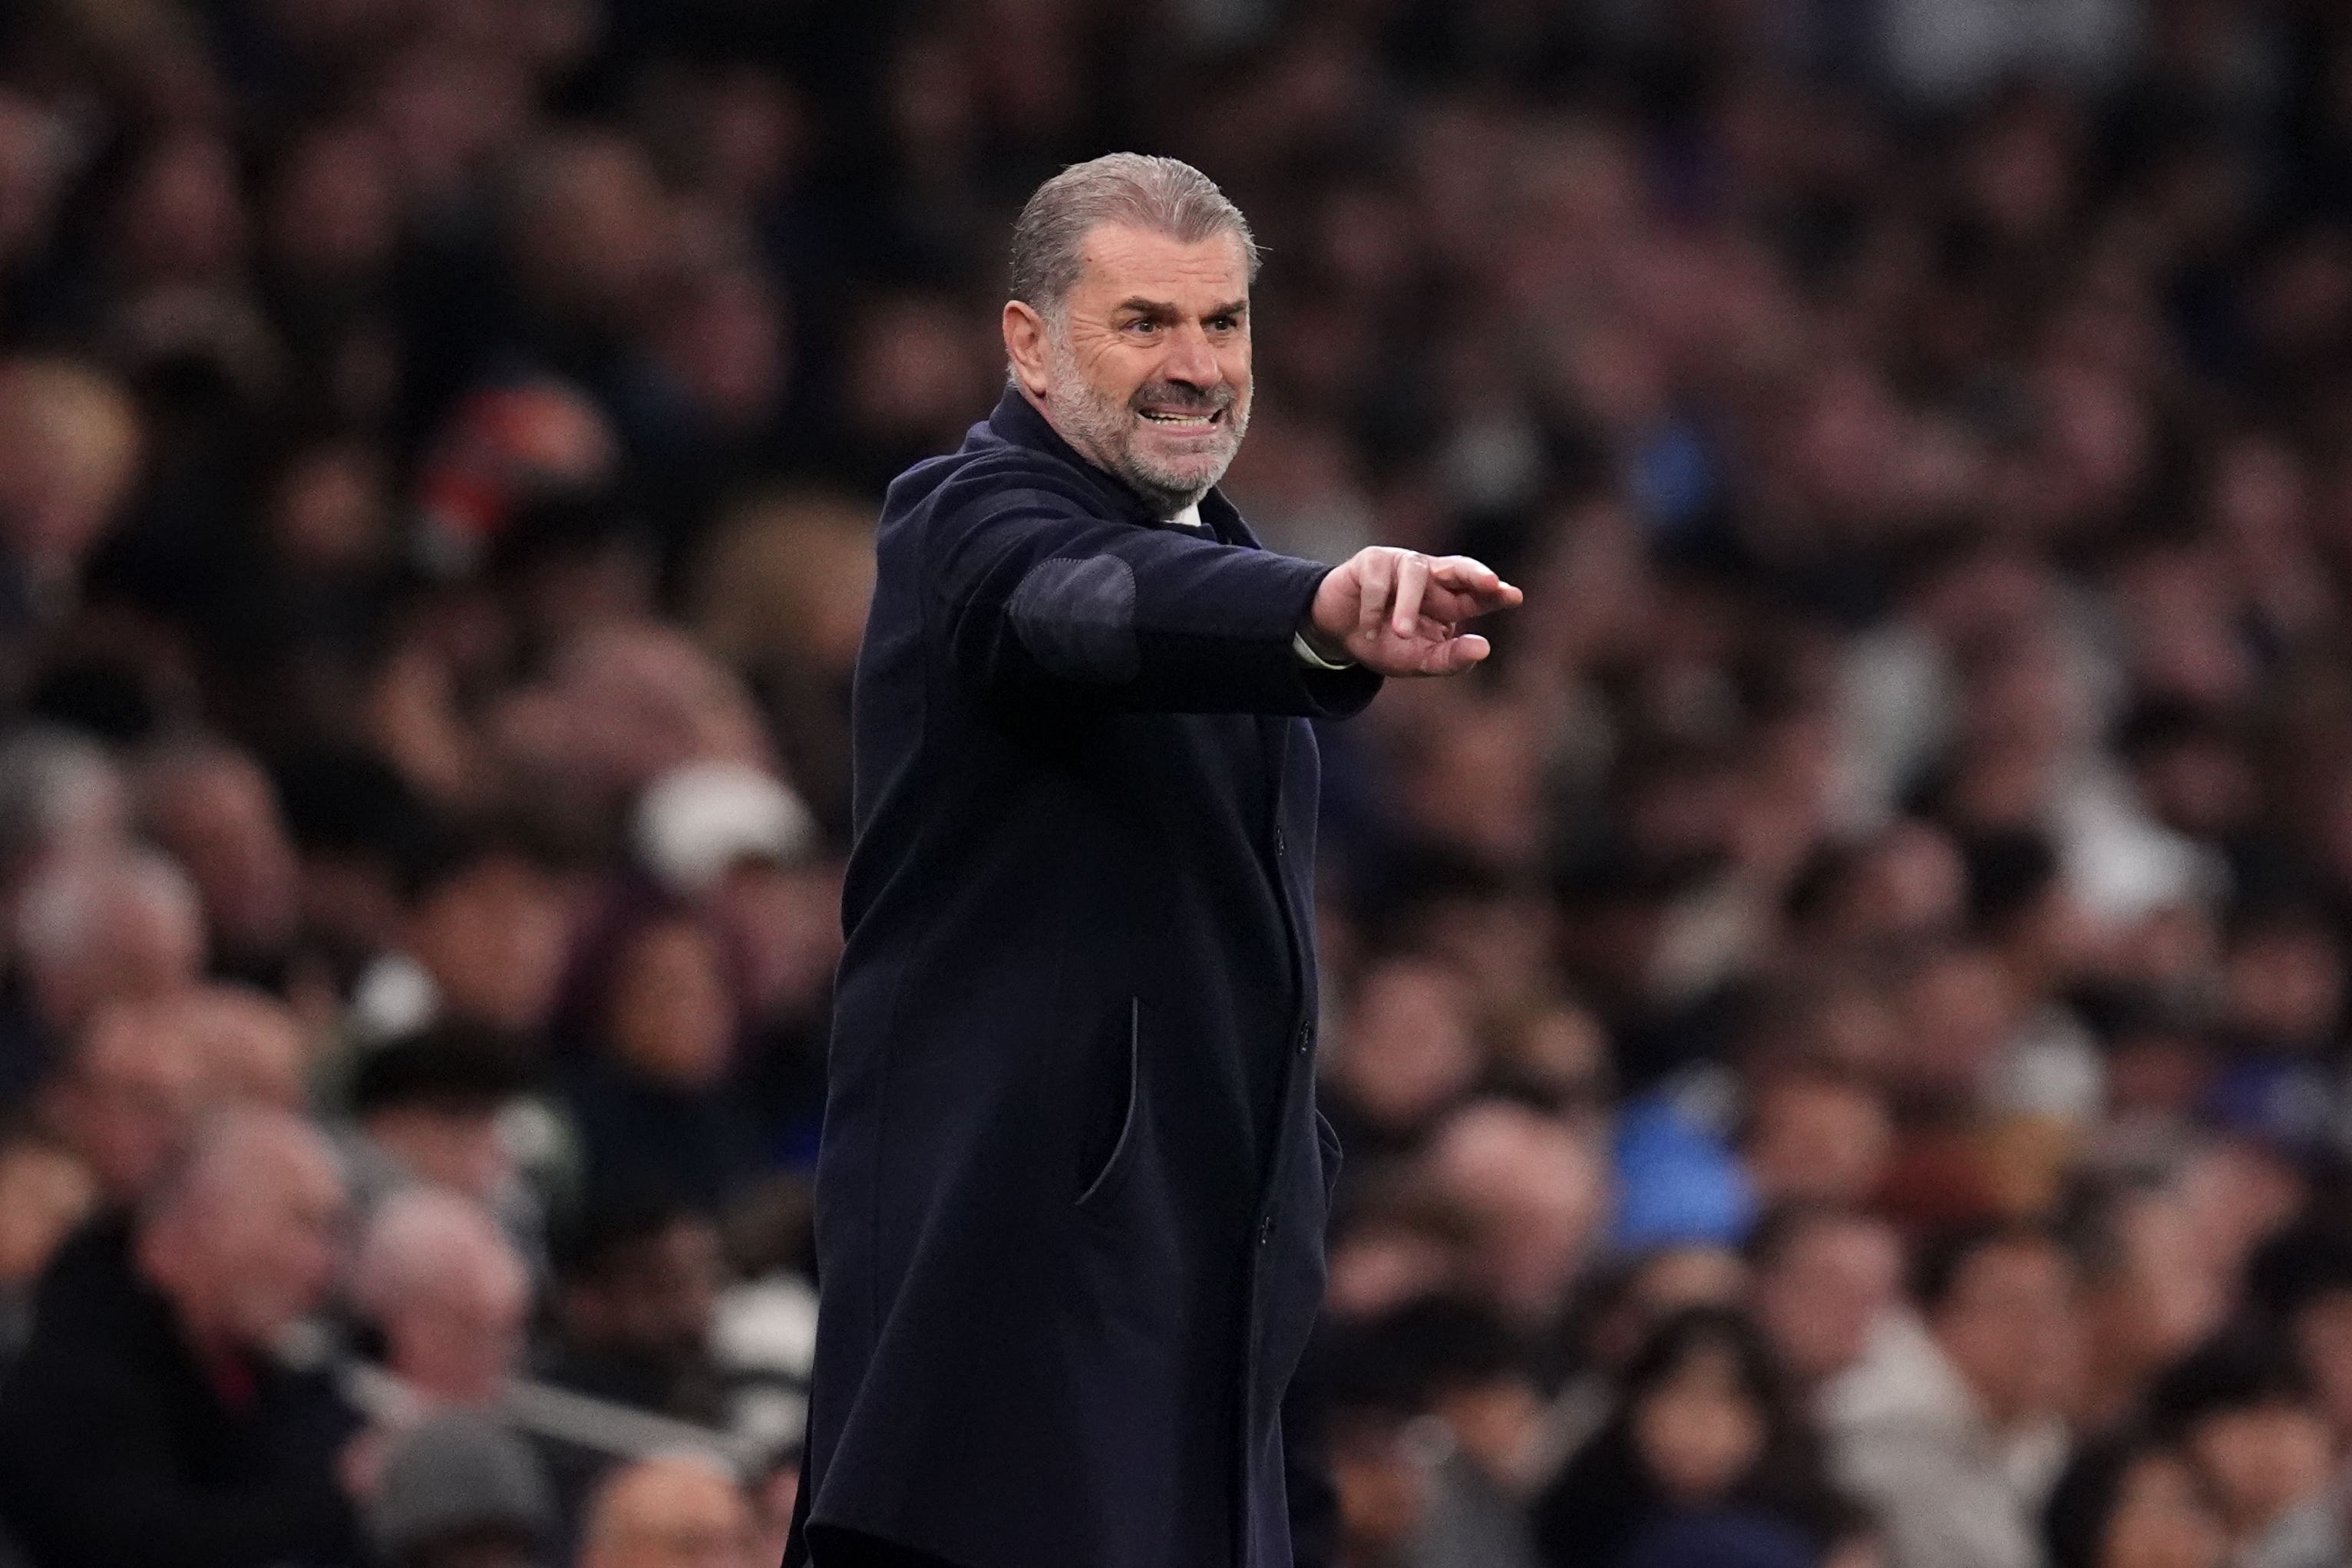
1839, 1031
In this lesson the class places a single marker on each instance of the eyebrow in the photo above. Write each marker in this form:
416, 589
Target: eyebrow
1161, 310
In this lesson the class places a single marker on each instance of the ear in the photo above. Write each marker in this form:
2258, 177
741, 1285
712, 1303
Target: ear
1024, 345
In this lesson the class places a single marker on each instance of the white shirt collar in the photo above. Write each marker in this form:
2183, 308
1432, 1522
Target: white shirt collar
1190, 518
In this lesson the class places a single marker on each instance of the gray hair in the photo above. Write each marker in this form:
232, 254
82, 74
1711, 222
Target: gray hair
1158, 195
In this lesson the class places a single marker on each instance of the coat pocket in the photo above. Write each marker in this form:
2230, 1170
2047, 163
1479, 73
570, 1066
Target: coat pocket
1122, 1148
1326, 1138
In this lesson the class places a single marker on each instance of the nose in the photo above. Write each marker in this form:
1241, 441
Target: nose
1191, 360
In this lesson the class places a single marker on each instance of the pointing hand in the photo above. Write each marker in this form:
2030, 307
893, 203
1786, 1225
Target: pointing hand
1400, 613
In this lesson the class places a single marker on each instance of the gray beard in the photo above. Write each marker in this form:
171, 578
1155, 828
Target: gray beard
1103, 431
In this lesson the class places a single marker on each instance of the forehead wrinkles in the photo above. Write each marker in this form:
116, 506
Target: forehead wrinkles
1118, 261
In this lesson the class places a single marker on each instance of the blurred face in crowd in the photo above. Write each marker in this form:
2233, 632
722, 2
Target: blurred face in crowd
449, 1293
1536, 1192
460, 1340
135, 1084
1815, 1136
218, 816
2323, 1342
44, 1194
452, 1145
247, 1242
1700, 1430
493, 939
1667, 1281
1145, 366
2010, 1326
670, 1513
2264, 1460
1832, 1283
249, 1046
2164, 1518
2160, 1296
1407, 1051
673, 1016
1383, 1483
107, 929
655, 1296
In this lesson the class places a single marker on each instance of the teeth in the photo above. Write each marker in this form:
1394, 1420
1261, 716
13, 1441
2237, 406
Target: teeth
1177, 418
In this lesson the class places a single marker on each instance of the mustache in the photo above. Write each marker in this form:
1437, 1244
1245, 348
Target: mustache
1176, 396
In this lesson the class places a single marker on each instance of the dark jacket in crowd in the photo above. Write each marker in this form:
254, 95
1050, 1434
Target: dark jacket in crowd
119, 1447
1072, 1186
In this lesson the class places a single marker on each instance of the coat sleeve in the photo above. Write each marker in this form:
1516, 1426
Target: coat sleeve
1041, 602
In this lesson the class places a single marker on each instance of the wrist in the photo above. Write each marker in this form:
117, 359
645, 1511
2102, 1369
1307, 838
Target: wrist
1314, 645
1311, 641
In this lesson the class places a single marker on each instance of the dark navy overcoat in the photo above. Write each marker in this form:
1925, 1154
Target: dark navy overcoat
1072, 1188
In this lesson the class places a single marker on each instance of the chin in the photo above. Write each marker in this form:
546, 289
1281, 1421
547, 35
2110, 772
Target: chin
1191, 479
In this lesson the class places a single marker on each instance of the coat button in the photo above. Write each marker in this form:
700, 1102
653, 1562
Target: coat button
1265, 1231
1306, 1035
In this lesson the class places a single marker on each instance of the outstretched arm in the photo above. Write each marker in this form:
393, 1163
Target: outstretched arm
1040, 601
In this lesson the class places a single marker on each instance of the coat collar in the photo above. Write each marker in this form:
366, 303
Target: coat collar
1017, 422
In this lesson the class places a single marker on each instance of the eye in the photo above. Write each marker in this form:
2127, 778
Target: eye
1223, 324
1143, 324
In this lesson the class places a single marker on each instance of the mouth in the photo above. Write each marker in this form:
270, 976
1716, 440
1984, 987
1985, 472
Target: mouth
1170, 419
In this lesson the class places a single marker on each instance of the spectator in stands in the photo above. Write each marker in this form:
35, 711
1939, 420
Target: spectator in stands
460, 1491
1952, 1426
111, 924
2243, 1411
124, 1098
1536, 1193
1827, 1280
2302, 1283
683, 1511
60, 792
482, 941
447, 1293
1702, 1427
637, 1282
141, 1075
148, 1420
251, 1047
1818, 1132
2134, 1501
425, 1108
214, 809
46, 1194
2150, 1294
653, 1105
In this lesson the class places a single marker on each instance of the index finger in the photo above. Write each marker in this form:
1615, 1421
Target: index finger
1465, 574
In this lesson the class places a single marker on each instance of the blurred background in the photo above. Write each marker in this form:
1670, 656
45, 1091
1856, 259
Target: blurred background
1839, 1029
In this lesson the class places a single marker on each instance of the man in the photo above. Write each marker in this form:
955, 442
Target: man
100, 924
1071, 1193
438, 1279
1950, 1429
675, 1511
1826, 1279
147, 1421
424, 1109
636, 1293
126, 1094
2247, 1415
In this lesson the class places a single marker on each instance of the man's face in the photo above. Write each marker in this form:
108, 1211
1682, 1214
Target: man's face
272, 1253
1828, 1290
1147, 369
2009, 1325
132, 1094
